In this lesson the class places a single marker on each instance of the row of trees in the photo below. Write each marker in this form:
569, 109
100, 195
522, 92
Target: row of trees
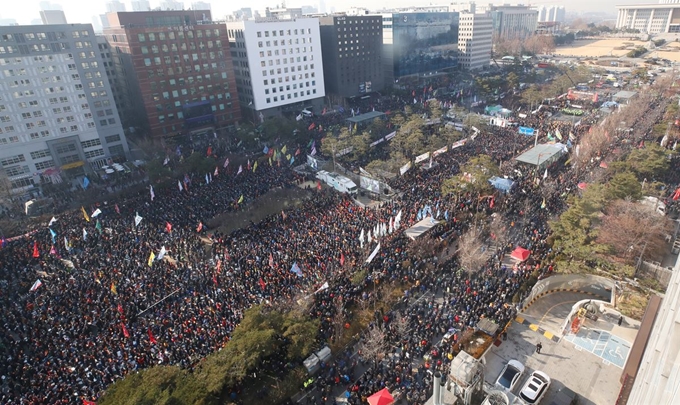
263, 335
516, 46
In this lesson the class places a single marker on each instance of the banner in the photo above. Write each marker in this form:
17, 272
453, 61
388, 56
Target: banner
440, 151
343, 152
458, 144
526, 131
372, 256
369, 184
422, 157
372, 144
405, 168
390, 135
312, 162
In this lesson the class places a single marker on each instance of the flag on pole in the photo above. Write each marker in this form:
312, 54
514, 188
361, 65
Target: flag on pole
152, 257
138, 219
200, 227
84, 234
342, 259
53, 220
296, 269
36, 253
125, 331
292, 159
87, 218
313, 152
66, 243
114, 291
255, 166
283, 215
208, 153
262, 283
168, 227
226, 163
165, 162
676, 196
179, 185
35, 285
248, 166
117, 209
373, 254
543, 203
53, 251
240, 169
152, 193
545, 174
240, 200
283, 150
207, 180
86, 182
297, 152
54, 235
318, 185
323, 287
271, 260
98, 227
152, 339
216, 171
162, 253
96, 213
265, 150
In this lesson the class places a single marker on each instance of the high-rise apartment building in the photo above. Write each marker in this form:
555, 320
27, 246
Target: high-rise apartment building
175, 71
419, 43
49, 17
278, 66
475, 32
58, 120
114, 6
140, 5
512, 21
170, 5
551, 14
352, 54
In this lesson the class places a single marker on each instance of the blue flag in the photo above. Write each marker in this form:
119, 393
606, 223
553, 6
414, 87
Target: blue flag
265, 150
420, 214
446, 215
292, 160
54, 236
296, 269
86, 182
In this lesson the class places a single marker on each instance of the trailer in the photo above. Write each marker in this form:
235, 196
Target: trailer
338, 182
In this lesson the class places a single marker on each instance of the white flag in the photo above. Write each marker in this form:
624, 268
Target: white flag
210, 175
240, 169
84, 234
207, 181
152, 193
179, 184
372, 256
226, 163
53, 220
370, 239
391, 228
66, 243
138, 219
545, 174
96, 213
161, 253
36, 285
361, 238
323, 287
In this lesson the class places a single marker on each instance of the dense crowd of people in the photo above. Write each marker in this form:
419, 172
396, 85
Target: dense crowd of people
105, 307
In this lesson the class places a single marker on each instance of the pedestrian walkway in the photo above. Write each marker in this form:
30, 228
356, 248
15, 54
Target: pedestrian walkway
612, 349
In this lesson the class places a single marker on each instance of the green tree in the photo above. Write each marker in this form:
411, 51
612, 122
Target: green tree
649, 162
512, 80
473, 176
623, 185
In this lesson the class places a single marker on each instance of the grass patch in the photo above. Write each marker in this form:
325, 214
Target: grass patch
632, 303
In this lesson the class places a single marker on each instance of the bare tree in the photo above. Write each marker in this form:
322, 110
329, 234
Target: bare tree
339, 318
499, 230
470, 250
374, 344
400, 326
631, 229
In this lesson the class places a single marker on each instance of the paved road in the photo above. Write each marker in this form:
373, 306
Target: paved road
550, 311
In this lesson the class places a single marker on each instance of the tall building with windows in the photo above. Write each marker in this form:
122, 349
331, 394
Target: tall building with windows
175, 71
58, 120
512, 21
660, 18
475, 34
49, 17
278, 66
140, 5
352, 54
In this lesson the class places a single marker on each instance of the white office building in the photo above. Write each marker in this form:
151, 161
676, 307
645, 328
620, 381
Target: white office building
661, 18
58, 120
114, 6
49, 17
551, 14
277, 65
512, 21
475, 32
140, 5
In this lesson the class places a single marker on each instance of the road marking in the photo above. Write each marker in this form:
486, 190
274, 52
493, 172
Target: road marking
548, 335
533, 327
551, 308
519, 319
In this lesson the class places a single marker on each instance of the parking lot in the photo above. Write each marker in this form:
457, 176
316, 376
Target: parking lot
589, 364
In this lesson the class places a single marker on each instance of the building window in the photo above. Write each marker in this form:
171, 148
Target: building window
12, 160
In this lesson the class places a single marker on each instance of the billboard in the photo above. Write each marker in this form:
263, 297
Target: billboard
526, 131
312, 162
369, 184
422, 157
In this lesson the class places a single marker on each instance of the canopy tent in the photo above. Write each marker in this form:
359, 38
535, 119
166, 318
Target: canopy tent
382, 397
421, 227
361, 118
502, 184
542, 154
520, 254
496, 110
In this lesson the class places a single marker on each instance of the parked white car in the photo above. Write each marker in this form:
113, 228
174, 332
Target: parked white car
510, 375
535, 388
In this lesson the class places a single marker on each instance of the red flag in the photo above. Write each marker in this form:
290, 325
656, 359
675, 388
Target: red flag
271, 260
318, 185
168, 227
297, 152
125, 331
283, 215
209, 153
311, 126
676, 196
271, 152
86, 402
248, 164
219, 266
262, 283
120, 308
215, 278
492, 203
200, 227
53, 251
36, 253
117, 210
151, 338
342, 259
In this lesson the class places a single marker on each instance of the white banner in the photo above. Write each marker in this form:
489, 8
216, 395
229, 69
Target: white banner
376, 142
459, 144
440, 151
369, 184
422, 157
372, 256
343, 152
405, 168
390, 135
312, 162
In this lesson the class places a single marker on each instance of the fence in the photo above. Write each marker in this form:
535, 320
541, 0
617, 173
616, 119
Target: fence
657, 272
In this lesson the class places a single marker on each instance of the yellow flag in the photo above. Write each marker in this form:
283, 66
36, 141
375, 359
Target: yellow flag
255, 166
283, 150
151, 259
240, 200
270, 161
87, 217
288, 156
113, 289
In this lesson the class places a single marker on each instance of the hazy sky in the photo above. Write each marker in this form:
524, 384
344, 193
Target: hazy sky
81, 11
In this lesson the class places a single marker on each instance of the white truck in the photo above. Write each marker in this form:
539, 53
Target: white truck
338, 182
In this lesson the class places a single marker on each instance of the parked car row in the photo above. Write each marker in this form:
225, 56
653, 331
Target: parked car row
533, 390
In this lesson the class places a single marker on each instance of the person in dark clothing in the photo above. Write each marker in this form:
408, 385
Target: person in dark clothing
539, 346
